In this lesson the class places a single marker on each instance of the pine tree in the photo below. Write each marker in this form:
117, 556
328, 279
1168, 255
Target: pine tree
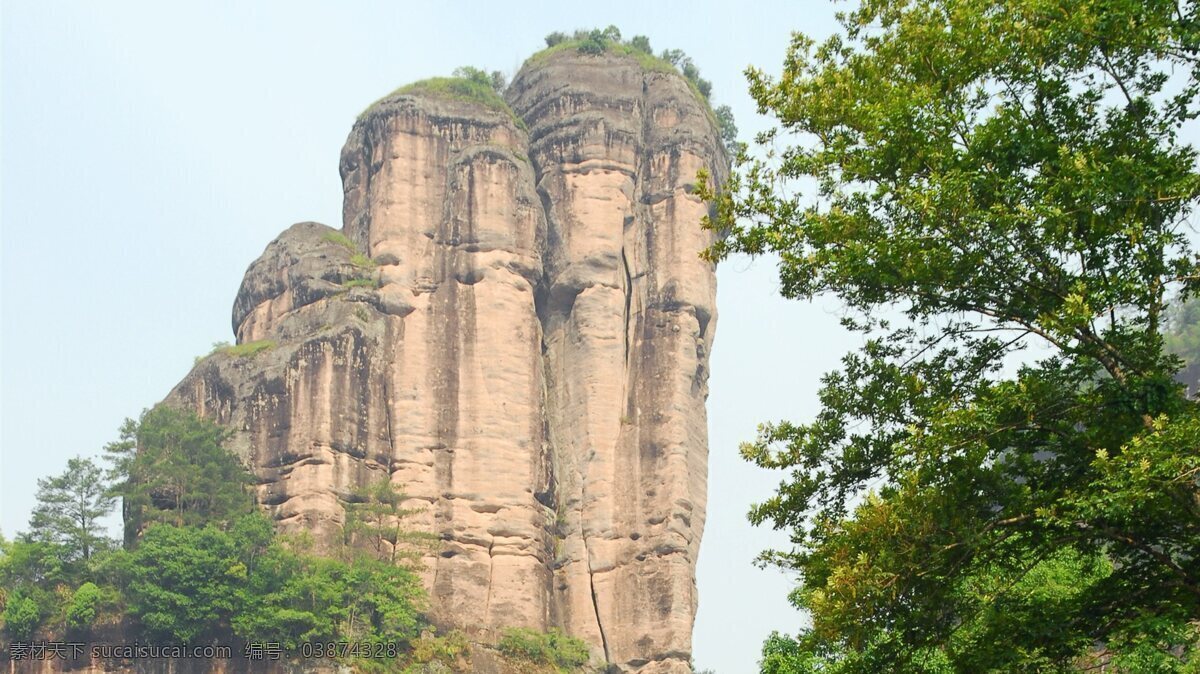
69, 508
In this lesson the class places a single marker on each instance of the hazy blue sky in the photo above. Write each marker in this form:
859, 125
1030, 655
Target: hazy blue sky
150, 150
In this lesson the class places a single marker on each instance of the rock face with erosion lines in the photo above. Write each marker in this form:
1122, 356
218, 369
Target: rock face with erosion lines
513, 327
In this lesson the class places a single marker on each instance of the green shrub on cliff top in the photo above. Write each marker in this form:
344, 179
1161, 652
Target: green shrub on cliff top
638, 47
470, 85
457, 88
243, 350
247, 349
602, 41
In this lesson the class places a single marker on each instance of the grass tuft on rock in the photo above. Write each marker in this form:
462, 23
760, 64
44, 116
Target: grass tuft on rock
248, 349
245, 350
341, 240
361, 283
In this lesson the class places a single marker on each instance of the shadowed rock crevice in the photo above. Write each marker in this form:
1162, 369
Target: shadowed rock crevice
513, 326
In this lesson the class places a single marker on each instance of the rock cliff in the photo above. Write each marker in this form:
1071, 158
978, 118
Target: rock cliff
513, 326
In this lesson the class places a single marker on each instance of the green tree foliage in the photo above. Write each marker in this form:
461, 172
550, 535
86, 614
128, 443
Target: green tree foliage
375, 518
171, 466
679, 59
728, 127
203, 565
32, 575
69, 508
970, 177
439, 654
192, 584
595, 42
293, 598
84, 606
692, 73
673, 56
182, 582
496, 79
641, 43
21, 615
782, 654
120, 453
45, 574
553, 648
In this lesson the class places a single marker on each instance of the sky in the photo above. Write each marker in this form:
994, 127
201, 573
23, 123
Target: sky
149, 151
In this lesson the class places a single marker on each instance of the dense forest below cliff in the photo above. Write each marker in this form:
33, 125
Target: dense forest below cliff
204, 566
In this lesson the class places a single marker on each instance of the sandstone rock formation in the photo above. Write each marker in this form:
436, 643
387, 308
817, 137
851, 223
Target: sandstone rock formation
513, 325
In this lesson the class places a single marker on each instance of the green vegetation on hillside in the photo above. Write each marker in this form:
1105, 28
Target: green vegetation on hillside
198, 584
466, 84
551, 649
202, 565
243, 350
970, 178
249, 349
459, 89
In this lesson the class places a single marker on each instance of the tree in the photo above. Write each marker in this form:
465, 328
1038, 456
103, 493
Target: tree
84, 606
183, 582
375, 517
641, 43
291, 597
21, 616
69, 508
186, 584
120, 454
595, 42
172, 466
495, 80
728, 127
673, 56
33, 574
985, 176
